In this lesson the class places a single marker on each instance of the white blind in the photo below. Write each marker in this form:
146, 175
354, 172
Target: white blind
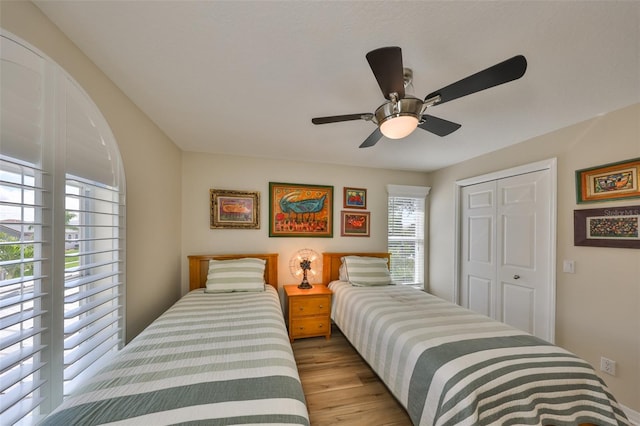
405, 233
94, 242
21, 291
62, 239
22, 100
93, 277
22, 232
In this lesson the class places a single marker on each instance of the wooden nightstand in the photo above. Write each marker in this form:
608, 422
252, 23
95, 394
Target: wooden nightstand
309, 311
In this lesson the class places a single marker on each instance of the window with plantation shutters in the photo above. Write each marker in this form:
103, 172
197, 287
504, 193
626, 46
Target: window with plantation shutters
94, 243
61, 236
21, 290
93, 278
405, 233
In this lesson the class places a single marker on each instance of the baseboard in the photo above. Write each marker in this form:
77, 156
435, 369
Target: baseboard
634, 416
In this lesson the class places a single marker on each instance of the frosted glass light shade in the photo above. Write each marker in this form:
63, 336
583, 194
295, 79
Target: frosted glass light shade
399, 127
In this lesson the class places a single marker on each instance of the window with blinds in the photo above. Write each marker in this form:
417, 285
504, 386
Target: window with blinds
405, 233
62, 236
21, 290
93, 277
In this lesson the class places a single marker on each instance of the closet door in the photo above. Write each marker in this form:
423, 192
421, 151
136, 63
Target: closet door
523, 221
505, 233
478, 277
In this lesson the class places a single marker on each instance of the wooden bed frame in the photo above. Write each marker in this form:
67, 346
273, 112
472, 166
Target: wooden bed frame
331, 263
199, 267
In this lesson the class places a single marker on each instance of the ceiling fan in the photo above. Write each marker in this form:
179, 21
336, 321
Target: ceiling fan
402, 113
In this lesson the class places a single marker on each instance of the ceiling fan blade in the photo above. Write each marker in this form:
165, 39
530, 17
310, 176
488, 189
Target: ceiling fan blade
386, 64
338, 118
509, 70
438, 126
372, 139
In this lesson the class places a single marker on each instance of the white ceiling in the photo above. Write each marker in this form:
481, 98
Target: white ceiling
246, 77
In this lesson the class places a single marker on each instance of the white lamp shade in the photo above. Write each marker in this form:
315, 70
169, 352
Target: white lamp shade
399, 127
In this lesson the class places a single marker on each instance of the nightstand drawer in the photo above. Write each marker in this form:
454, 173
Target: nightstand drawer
309, 327
310, 305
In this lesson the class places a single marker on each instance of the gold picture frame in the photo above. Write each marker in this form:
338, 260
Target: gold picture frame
608, 182
234, 209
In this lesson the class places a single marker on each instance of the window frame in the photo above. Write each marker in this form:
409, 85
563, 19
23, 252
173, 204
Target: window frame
398, 235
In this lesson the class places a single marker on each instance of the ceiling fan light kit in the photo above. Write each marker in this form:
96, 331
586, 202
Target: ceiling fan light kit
398, 119
402, 114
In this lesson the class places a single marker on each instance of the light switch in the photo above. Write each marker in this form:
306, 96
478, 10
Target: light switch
569, 266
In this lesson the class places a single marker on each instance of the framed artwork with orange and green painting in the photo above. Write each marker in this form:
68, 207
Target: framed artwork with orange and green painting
300, 210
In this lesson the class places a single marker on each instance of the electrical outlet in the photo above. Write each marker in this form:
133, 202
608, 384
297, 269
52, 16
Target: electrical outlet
608, 366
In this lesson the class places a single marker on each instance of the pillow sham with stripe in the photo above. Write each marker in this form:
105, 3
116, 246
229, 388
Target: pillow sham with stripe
366, 271
246, 274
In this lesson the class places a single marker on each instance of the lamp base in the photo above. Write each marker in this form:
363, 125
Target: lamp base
304, 285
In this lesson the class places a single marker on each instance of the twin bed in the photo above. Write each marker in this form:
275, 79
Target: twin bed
449, 366
213, 358
223, 357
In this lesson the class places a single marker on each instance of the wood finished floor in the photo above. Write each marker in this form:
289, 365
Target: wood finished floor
341, 388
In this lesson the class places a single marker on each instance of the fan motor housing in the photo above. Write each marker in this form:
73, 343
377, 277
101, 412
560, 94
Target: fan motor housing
405, 106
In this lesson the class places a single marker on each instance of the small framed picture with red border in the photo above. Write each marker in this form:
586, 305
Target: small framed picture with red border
355, 224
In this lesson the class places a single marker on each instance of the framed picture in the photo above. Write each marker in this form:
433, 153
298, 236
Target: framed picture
234, 209
613, 181
299, 210
609, 227
355, 224
355, 198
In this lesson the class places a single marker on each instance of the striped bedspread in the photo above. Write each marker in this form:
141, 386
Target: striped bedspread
211, 359
450, 366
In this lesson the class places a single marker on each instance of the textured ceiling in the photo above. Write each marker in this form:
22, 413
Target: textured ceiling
246, 77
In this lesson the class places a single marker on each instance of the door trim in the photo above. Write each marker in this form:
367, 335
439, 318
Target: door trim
551, 165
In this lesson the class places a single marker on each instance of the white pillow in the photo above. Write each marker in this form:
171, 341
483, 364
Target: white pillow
367, 271
246, 274
342, 273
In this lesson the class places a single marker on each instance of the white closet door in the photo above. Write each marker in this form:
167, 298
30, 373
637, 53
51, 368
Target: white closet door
505, 229
478, 278
522, 248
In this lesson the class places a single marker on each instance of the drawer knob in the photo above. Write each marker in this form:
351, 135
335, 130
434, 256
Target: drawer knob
320, 326
320, 306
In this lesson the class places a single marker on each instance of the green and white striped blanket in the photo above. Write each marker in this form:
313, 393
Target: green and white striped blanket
211, 359
450, 366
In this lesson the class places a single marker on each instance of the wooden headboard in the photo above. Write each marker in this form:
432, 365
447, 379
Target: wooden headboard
331, 264
199, 267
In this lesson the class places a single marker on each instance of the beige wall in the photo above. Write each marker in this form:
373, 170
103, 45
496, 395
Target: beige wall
202, 172
152, 168
598, 307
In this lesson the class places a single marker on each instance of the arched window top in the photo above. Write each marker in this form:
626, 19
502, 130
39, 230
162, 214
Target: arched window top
91, 150
62, 235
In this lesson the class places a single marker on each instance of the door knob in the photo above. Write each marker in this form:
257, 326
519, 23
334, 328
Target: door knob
515, 277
